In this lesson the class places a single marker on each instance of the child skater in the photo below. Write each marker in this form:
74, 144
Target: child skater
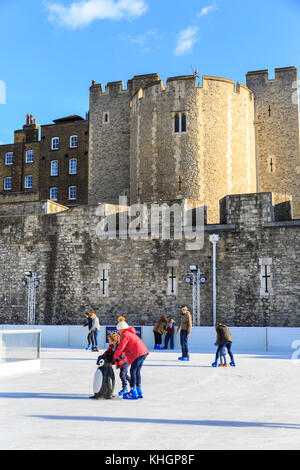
120, 363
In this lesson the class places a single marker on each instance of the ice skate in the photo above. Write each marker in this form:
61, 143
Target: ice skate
123, 391
132, 395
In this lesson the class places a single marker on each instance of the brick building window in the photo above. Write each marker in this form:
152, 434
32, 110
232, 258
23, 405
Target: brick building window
9, 158
73, 166
28, 182
73, 141
53, 194
54, 168
29, 158
72, 193
7, 184
55, 143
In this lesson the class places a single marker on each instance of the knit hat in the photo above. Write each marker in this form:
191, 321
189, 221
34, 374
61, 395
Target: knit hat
122, 325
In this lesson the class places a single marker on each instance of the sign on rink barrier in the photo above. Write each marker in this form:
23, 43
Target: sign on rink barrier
113, 329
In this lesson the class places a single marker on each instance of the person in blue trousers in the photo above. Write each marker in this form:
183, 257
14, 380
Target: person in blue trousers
185, 329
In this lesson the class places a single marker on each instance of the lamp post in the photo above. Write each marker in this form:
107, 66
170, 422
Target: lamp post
214, 240
31, 282
197, 280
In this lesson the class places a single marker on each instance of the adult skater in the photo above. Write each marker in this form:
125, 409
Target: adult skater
170, 331
136, 352
224, 340
90, 337
159, 330
94, 330
185, 329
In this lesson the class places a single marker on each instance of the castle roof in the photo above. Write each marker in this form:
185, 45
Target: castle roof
72, 118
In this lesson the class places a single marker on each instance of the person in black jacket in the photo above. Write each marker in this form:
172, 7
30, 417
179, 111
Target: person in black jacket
90, 337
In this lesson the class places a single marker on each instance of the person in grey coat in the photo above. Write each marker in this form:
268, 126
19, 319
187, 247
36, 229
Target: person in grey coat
95, 327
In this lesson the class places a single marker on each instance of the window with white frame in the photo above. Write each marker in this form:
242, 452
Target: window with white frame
73, 141
29, 158
54, 168
9, 158
53, 194
55, 143
72, 193
28, 182
73, 166
7, 185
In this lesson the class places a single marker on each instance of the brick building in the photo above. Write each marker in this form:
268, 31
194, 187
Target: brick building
54, 167
19, 165
64, 161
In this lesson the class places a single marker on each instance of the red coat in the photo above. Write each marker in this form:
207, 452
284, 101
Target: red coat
131, 345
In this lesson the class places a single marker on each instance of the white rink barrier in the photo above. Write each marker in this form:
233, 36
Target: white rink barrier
202, 339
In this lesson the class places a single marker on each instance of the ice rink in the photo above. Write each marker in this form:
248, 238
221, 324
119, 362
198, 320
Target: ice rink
187, 406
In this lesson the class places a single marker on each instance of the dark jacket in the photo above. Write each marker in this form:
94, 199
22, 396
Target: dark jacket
119, 362
223, 335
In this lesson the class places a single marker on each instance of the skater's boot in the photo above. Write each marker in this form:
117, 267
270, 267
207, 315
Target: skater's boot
95, 349
132, 395
186, 359
225, 365
220, 365
123, 391
139, 391
232, 363
215, 364
155, 346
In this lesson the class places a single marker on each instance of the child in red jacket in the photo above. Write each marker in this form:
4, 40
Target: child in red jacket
136, 352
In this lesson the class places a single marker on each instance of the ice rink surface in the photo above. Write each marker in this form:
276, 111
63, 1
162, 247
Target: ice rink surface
187, 406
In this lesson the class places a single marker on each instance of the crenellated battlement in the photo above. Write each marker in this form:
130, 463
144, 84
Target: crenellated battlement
281, 74
186, 83
147, 81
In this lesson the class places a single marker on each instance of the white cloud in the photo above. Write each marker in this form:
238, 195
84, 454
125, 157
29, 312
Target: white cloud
186, 40
145, 41
82, 13
206, 10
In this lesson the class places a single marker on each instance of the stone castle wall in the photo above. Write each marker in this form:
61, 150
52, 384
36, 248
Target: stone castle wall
69, 258
277, 132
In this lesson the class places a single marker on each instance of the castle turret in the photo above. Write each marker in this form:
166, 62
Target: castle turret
277, 132
190, 142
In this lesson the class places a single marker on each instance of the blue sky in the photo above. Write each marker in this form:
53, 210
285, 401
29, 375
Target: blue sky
51, 50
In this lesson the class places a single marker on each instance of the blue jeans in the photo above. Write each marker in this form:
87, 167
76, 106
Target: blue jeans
168, 338
184, 343
96, 337
124, 375
135, 371
228, 346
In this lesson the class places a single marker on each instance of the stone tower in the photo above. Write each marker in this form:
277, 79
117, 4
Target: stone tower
190, 142
277, 132
109, 141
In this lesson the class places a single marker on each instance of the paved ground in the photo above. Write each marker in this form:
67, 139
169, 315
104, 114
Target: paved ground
187, 406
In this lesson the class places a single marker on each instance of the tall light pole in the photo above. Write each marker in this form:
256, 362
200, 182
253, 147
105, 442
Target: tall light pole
32, 283
196, 281
214, 240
